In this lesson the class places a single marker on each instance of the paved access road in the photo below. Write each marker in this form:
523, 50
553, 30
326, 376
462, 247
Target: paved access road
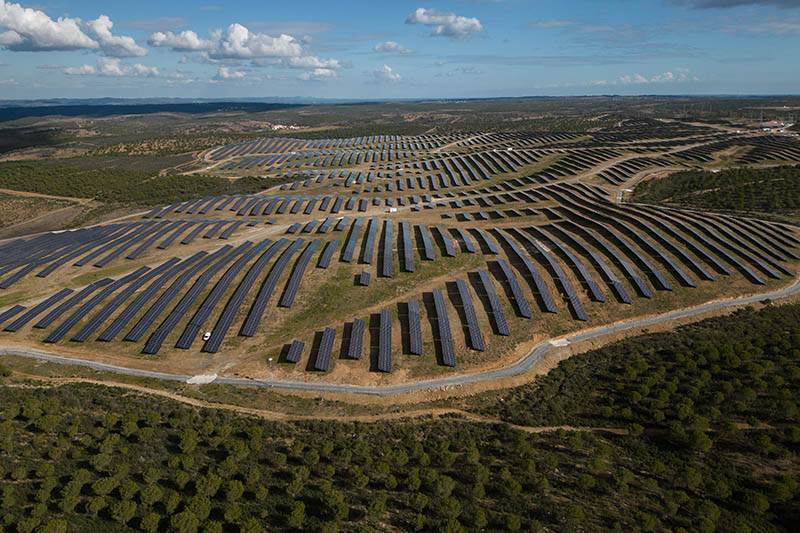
520, 367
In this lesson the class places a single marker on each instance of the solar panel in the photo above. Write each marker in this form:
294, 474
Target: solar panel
473, 328
698, 250
487, 241
516, 291
388, 240
443, 326
295, 351
259, 305
414, 327
533, 272
76, 298
122, 320
290, 291
497, 314
369, 244
469, 246
172, 291
230, 229
327, 254
638, 282
323, 359
385, 342
566, 284
62, 329
195, 232
427, 250
103, 315
210, 303
37, 310
660, 281
594, 290
675, 218
352, 239
11, 312
155, 341
355, 347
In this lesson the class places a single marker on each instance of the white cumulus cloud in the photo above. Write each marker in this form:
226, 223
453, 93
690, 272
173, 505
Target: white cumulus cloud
30, 29
237, 42
318, 74
311, 62
445, 24
224, 73
391, 47
680, 75
113, 45
185, 41
113, 67
386, 74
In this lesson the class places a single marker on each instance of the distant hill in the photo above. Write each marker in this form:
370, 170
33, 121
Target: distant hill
103, 110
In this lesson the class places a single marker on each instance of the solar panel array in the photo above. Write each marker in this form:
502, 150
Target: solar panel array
355, 347
575, 233
445, 336
385, 342
475, 337
323, 360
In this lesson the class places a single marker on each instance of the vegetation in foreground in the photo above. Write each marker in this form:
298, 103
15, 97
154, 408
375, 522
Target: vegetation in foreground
712, 443
767, 190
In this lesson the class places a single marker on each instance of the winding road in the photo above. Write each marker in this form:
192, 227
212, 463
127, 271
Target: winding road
520, 367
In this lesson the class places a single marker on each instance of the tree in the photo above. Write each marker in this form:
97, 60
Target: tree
104, 485
251, 525
586, 481
479, 520
208, 484
573, 514
150, 522
755, 502
419, 502
182, 479
233, 490
513, 522
184, 522
450, 508
377, 505
646, 521
188, 441
57, 525
152, 475
96, 504
232, 512
151, 494
28, 525
123, 510
200, 506
212, 526
261, 493
128, 490
335, 505
298, 515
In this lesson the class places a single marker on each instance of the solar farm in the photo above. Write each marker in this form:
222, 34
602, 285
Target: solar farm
388, 258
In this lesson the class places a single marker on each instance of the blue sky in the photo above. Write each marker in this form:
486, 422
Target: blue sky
360, 49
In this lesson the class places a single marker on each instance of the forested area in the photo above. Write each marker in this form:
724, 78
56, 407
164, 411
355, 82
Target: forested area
710, 444
122, 186
773, 190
